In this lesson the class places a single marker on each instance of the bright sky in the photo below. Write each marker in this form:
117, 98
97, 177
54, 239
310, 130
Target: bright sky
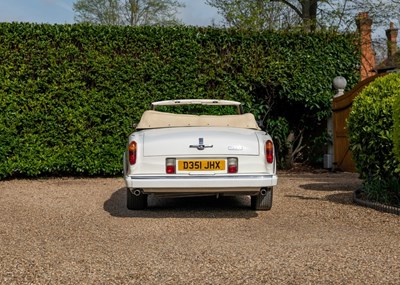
195, 13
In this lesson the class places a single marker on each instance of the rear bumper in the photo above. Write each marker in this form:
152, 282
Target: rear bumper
200, 184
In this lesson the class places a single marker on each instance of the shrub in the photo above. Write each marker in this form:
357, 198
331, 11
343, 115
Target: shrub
370, 127
386, 191
396, 132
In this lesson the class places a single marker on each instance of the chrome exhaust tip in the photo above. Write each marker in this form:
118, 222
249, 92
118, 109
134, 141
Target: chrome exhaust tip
137, 192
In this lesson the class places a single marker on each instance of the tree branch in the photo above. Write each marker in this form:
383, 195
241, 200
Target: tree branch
291, 6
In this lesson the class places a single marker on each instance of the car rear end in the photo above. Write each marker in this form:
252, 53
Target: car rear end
182, 161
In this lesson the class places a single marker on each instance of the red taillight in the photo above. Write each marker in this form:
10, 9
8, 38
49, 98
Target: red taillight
170, 166
132, 148
269, 151
170, 169
232, 165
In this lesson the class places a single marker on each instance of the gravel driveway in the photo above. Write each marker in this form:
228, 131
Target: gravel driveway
78, 231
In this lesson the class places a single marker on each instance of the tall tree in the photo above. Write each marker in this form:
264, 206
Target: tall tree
258, 15
127, 12
270, 14
311, 14
97, 11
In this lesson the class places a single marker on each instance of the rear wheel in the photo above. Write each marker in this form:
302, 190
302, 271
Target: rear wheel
263, 200
135, 199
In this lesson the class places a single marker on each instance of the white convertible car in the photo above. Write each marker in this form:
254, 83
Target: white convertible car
179, 154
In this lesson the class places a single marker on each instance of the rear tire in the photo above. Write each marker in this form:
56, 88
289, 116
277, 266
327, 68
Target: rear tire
134, 201
263, 200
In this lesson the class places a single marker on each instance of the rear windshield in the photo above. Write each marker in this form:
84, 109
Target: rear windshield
199, 109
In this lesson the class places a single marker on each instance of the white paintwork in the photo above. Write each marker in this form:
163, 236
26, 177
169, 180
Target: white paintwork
154, 146
202, 183
176, 141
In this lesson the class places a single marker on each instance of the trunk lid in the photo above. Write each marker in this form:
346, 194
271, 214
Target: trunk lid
195, 141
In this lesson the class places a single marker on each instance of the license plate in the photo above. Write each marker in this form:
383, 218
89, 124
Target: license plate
201, 165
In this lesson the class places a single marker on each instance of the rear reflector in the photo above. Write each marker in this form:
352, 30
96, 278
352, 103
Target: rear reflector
232, 165
170, 166
132, 149
269, 151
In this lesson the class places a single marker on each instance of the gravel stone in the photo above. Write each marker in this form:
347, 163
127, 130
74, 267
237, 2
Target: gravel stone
78, 231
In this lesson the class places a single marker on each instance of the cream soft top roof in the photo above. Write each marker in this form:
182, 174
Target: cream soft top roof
154, 119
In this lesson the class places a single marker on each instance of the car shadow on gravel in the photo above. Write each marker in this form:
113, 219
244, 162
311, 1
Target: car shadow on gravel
188, 207
345, 198
331, 186
344, 191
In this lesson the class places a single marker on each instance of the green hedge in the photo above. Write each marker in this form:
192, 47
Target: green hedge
396, 133
370, 127
70, 93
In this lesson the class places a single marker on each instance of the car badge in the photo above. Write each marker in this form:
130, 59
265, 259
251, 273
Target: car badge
235, 147
201, 145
